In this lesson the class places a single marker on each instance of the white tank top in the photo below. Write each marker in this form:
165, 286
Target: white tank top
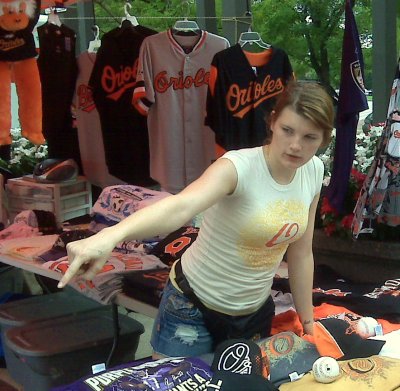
244, 236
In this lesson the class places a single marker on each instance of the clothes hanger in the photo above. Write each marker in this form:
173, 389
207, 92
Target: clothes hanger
251, 37
186, 26
53, 17
95, 44
128, 20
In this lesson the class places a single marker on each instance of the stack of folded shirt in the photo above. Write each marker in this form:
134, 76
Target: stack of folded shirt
27, 248
115, 203
59, 250
109, 281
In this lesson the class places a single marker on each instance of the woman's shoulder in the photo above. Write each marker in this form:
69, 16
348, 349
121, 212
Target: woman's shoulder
314, 172
245, 160
315, 164
244, 153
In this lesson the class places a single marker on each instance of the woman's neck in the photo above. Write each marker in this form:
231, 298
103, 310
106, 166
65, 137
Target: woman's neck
280, 174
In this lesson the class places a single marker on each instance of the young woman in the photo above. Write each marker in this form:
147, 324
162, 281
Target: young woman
258, 203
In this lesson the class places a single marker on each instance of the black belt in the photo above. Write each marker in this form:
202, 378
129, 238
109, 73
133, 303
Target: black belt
184, 286
222, 326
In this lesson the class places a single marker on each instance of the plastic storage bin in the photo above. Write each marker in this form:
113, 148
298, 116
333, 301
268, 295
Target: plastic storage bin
66, 200
56, 352
20, 312
11, 279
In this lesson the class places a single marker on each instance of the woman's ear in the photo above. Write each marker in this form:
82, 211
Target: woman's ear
272, 118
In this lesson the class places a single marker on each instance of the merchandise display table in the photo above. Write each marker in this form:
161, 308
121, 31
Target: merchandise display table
121, 299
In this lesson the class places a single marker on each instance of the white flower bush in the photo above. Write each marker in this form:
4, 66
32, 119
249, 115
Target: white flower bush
367, 141
327, 158
366, 145
24, 155
338, 223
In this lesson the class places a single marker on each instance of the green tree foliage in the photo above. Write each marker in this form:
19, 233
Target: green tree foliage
311, 32
156, 14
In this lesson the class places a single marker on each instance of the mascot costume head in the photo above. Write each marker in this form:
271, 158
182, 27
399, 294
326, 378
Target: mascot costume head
18, 64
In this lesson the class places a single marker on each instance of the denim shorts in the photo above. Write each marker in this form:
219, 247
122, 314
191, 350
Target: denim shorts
179, 328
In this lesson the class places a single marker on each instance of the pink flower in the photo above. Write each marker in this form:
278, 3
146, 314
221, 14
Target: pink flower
358, 176
326, 207
347, 220
330, 229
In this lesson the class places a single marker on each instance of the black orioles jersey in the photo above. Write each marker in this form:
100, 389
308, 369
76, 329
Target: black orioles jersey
240, 95
124, 130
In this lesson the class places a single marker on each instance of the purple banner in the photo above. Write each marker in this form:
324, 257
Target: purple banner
352, 100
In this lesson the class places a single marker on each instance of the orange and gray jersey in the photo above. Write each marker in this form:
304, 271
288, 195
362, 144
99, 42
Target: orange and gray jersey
171, 89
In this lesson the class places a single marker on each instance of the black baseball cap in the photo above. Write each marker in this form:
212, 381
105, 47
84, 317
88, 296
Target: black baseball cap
338, 339
228, 381
240, 365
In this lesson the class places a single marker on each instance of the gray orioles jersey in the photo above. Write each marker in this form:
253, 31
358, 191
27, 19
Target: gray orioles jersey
172, 82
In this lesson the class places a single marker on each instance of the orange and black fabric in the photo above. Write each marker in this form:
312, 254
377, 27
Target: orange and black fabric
175, 244
289, 356
338, 339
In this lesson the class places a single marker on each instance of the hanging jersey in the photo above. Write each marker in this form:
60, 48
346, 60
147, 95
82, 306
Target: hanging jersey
89, 128
124, 130
58, 72
379, 197
240, 96
394, 140
171, 90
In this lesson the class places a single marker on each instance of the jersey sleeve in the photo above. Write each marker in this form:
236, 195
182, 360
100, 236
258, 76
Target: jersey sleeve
211, 114
144, 94
215, 95
99, 95
287, 69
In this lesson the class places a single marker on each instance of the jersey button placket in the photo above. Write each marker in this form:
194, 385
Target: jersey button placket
187, 91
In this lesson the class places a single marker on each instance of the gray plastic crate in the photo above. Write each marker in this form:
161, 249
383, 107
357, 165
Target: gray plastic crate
11, 279
20, 312
56, 352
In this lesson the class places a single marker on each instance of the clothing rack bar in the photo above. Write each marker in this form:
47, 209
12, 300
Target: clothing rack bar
152, 17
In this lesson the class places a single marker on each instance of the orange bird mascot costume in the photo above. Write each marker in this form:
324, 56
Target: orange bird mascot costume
18, 64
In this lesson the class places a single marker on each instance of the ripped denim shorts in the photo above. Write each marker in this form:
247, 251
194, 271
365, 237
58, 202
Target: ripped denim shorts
179, 328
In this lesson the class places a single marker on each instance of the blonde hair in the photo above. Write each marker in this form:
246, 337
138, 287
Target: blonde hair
311, 101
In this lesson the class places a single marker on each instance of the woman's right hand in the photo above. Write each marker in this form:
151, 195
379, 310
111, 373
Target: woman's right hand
87, 257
